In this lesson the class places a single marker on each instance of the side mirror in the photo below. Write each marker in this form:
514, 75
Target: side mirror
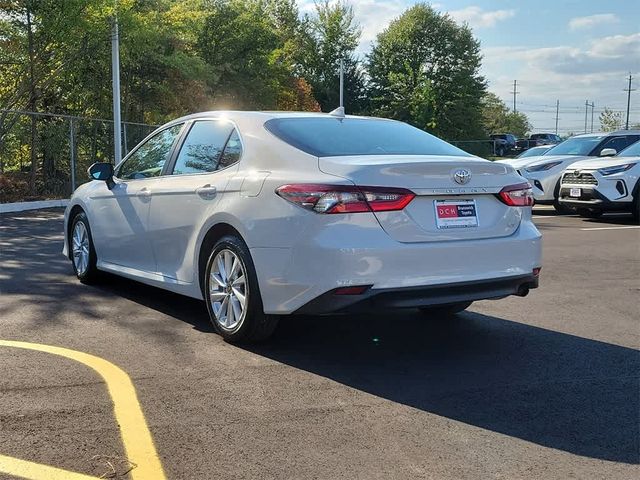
102, 171
608, 152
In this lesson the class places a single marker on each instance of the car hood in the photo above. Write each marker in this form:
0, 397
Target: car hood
565, 159
520, 162
596, 163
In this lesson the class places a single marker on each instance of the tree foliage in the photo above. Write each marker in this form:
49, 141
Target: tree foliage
610, 120
497, 118
424, 70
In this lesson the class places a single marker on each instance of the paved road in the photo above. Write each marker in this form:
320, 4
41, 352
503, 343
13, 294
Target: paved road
545, 386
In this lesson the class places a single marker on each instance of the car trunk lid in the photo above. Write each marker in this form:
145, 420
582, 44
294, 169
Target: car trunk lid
432, 179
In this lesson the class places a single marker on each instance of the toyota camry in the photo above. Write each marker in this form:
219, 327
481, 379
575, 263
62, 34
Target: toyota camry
266, 214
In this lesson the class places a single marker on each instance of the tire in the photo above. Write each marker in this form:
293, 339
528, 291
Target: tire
81, 249
235, 305
500, 151
588, 213
560, 208
636, 208
445, 310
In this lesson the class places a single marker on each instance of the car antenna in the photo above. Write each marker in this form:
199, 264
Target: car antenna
339, 112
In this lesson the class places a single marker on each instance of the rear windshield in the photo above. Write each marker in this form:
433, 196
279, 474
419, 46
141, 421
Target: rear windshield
333, 137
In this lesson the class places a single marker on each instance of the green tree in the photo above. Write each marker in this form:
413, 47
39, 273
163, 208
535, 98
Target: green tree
497, 118
610, 120
331, 35
424, 69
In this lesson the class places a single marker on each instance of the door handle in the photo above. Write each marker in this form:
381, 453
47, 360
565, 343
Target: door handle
207, 191
144, 193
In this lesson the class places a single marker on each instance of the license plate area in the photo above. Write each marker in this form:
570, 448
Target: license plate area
575, 192
456, 214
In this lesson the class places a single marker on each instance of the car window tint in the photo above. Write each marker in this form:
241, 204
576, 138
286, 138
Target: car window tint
617, 143
149, 158
576, 146
201, 151
632, 150
328, 137
232, 151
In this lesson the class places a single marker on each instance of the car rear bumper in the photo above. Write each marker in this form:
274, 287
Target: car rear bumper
376, 300
347, 254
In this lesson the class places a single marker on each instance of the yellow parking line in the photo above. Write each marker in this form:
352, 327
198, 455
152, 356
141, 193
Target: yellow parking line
135, 434
36, 471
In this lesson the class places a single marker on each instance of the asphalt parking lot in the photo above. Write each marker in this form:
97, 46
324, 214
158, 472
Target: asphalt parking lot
545, 386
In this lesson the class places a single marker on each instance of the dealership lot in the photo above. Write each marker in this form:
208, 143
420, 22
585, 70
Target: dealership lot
545, 386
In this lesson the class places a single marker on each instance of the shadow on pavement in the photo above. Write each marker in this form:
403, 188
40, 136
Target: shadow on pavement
553, 389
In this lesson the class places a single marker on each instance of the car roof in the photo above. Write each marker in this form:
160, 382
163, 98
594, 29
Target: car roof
617, 133
262, 116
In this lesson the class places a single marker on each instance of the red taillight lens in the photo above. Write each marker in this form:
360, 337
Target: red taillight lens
519, 195
346, 198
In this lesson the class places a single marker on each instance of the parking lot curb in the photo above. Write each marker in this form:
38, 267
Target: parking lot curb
24, 206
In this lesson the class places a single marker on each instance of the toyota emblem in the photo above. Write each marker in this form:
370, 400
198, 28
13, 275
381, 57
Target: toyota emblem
462, 176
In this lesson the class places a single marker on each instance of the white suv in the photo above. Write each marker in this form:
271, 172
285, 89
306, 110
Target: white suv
611, 184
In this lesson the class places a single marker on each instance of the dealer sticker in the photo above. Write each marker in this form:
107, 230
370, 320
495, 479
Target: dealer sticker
456, 213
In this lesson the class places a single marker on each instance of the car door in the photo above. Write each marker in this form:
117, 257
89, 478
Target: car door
617, 142
120, 214
183, 200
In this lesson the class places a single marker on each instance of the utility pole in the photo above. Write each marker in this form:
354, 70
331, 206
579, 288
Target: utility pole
628, 90
557, 111
115, 69
586, 112
515, 92
341, 83
592, 107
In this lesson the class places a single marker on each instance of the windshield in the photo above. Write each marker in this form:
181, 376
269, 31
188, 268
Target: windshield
534, 152
330, 137
576, 146
631, 151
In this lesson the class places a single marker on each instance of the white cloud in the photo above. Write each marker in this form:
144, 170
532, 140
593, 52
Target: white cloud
478, 18
596, 72
578, 23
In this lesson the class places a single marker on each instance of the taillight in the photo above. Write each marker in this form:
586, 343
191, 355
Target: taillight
519, 195
345, 198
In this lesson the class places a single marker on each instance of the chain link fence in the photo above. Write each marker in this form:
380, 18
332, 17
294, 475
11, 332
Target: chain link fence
63, 147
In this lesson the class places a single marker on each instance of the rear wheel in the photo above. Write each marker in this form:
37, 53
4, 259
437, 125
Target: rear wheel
232, 294
445, 310
636, 208
83, 254
589, 213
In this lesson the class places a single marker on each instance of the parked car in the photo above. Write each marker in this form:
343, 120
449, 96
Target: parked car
269, 214
536, 140
535, 151
544, 174
610, 184
503, 143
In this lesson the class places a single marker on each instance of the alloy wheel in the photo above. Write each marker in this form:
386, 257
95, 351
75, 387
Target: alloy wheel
228, 289
80, 247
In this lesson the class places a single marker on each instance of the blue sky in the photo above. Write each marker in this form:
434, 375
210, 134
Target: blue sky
570, 51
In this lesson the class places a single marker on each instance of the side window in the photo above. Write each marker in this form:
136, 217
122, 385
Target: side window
232, 151
149, 158
202, 150
617, 143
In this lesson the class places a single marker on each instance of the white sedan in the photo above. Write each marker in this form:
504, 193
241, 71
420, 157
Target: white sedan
269, 214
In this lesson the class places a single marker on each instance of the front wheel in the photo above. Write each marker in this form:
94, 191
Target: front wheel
445, 310
83, 254
589, 213
232, 294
